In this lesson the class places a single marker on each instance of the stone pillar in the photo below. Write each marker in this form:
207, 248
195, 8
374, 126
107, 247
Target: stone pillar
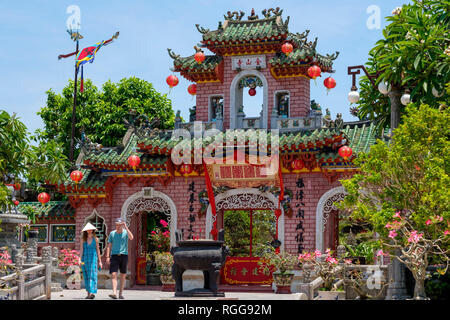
20, 277
32, 246
397, 288
274, 118
47, 261
240, 118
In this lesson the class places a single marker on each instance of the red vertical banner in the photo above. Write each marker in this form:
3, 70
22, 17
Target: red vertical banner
212, 201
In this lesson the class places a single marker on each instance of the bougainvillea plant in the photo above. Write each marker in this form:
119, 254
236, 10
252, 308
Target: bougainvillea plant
160, 237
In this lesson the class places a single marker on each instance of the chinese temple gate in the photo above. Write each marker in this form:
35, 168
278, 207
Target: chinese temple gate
294, 204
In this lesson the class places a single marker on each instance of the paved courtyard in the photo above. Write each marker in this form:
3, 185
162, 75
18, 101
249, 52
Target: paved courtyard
102, 294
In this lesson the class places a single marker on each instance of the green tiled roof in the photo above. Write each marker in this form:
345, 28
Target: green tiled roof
189, 64
50, 210
360, 139
248, 30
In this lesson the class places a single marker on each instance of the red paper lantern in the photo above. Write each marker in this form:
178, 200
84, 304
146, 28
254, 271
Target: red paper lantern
186, 169
297, 164
287, 48
16, 203
252, 92
192, 89
134, 161
314, 72
329, 82
76, 176
199, 57
345, 152
43, 198
172, 81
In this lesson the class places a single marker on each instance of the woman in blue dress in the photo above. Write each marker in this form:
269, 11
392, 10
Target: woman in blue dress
90, 259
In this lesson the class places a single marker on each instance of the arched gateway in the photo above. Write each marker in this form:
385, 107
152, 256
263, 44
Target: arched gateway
149, 200
244, 199
325, 210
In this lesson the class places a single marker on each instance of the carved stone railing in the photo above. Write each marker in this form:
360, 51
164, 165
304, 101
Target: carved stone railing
190, 126
251, 123
311, 122
29, 281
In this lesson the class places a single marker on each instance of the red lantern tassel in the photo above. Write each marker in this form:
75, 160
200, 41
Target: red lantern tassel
82, 81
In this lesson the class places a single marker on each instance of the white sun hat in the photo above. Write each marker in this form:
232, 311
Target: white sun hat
88, 226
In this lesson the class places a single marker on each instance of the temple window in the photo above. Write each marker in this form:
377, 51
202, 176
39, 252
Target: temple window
63, 233
282, 103
215, 105
42, 235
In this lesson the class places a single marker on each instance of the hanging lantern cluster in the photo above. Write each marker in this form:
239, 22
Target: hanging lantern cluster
134, 161
43, 198
345, 152
287, 48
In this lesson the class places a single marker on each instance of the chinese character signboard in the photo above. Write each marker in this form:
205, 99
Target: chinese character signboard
242, 175
244, 270
248, 62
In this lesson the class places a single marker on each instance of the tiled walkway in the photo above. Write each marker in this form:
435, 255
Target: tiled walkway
160, 295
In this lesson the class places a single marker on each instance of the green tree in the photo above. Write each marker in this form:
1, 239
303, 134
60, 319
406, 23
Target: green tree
414, 54
101, 113
402, 190
21, 160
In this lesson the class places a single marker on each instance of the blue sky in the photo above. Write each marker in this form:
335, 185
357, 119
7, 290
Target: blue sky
33, 34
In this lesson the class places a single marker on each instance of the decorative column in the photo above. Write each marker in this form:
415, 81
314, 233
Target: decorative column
32, 246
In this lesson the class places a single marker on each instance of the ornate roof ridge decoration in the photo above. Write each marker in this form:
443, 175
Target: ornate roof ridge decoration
230, 16
201, 29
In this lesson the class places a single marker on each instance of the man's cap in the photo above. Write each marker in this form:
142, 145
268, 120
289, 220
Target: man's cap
119, 220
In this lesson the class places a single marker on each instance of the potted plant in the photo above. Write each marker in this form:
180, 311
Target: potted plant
164, 263
160, 241
281, 264
326, 267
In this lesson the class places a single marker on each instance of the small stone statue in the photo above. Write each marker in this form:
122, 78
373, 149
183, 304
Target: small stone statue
339, 122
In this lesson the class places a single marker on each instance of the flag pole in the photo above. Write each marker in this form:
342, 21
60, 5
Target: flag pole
74, 109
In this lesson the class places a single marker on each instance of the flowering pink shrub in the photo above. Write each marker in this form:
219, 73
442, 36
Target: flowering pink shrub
324, 265
67, 258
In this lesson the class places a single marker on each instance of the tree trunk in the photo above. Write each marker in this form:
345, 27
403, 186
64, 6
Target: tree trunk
419, 290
